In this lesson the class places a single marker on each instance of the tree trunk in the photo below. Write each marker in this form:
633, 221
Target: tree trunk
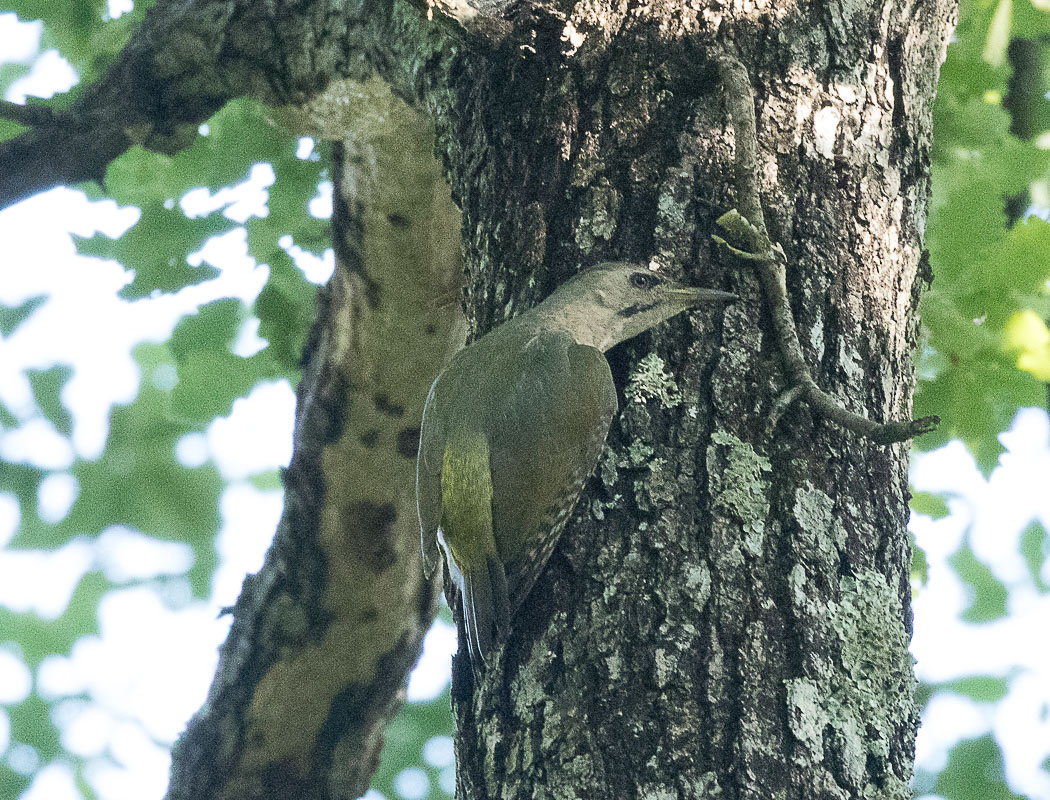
728, 613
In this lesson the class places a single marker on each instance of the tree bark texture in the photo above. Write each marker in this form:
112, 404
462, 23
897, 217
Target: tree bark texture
729, 613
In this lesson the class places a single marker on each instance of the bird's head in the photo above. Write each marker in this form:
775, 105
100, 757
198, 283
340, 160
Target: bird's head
612, 302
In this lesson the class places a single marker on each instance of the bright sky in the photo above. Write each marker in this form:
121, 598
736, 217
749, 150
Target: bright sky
150, 666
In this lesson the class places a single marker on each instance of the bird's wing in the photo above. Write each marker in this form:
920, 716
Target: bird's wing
561, 402
466, 534
454, 501
428, 479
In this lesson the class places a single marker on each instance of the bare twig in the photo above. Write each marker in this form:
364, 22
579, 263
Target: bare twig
747, 227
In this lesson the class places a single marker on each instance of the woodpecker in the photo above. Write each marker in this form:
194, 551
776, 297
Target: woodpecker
514, 426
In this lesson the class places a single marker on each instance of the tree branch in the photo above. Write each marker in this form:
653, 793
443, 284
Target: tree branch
747, 226
187, 59
325, 635
30, 116
174, 73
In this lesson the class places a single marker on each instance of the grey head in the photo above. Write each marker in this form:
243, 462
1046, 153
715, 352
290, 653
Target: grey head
615, 301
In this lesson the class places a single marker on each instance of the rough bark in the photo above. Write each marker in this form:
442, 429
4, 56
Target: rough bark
729, 614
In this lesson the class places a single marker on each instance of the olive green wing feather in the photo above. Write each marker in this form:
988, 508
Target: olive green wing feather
466, 534
454, 502
544, 448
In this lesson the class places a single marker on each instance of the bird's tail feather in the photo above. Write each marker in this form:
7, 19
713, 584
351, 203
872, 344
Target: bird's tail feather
486, 609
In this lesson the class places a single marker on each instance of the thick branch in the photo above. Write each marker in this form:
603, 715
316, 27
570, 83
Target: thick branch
747, 226
174, 73
325, 635
30, 116
189, 58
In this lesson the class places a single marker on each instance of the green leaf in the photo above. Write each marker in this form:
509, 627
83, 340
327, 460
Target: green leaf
23, 481
78, 30
1035, 548
47, 387
266, 481
11, 318
286, 307
999, 34
980, 688
7, 419
209, 382
9, 129
987, 594
157, 247
9, 73
213, 327
31, 724
920, 567
239, 135
210, 376
977, 399
974, 772
40, 637
11, 783
932, 505
407, 733
137, 481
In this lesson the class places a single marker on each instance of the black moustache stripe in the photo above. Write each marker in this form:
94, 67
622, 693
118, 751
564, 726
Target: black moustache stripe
637, 308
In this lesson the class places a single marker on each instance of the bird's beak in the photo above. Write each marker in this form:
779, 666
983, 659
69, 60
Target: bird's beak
688, 296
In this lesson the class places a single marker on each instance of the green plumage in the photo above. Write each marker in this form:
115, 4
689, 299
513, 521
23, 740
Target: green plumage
542, 404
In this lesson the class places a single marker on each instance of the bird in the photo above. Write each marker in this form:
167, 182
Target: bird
513, 427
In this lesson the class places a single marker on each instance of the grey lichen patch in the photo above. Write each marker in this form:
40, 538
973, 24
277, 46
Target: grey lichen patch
527, 687
870, 625
665, 666
800, 598
807, 715
607, 467
671, 210
589, 163
638, 454
675, 213
598, 509
706, 787
852, 722
698, 584
820, 532
655, 792
739, 483
650, 380
657, 489
599, 219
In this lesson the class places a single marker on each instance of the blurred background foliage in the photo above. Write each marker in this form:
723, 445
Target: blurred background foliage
158, 476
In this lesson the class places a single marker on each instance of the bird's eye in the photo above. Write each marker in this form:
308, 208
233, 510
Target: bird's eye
642, 280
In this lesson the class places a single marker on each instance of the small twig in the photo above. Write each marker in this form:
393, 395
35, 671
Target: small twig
747, 226
30, 116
